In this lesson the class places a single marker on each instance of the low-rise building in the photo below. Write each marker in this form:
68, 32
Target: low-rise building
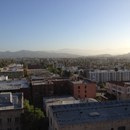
15, 86
61, 87
36, 69
39, 89
114, 115
62, 100
120, 89
11, 108
13, 71
83, 89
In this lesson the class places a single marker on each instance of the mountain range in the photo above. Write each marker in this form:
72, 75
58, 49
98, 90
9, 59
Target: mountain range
35, 54
53, 54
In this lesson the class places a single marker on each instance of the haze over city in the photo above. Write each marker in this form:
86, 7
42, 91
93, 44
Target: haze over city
73, 26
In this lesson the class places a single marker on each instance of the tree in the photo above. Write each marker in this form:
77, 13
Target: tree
32, 117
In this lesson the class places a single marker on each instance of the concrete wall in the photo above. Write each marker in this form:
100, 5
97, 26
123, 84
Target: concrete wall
10, 119
101, 125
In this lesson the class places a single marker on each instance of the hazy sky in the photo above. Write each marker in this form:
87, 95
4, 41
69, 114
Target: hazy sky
58, 24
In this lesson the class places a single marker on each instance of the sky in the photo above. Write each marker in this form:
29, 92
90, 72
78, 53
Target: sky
65, 24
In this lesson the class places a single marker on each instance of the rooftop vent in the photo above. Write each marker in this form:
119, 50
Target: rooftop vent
93, 114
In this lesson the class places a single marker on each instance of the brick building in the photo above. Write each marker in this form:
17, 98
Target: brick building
83, 89
61, 87
39, 89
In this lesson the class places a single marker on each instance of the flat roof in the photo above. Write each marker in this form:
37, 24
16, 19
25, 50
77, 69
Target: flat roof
85, 81
120, 83
91, 112
102, 71
48, 101
13, 84
9, 101
41, 82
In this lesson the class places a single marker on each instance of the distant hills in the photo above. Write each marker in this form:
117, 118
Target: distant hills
53, 54
35, 54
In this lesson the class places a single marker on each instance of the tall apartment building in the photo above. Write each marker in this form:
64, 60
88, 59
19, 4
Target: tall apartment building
11, 108
83, 89
109, 75
120, 89
114, 115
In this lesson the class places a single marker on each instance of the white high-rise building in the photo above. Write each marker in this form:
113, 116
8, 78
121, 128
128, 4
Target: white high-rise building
109, 75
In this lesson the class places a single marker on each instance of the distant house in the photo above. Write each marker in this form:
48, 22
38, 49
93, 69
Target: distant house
35, 69
13, 71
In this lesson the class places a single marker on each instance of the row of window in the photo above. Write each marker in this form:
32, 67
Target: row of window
17, 128
120, 128
9, 120
84, 91
79, 87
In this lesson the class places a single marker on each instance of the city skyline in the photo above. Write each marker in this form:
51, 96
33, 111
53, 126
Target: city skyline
72, 24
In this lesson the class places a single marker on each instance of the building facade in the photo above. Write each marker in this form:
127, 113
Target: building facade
11, 108
120, 89
39, 89
15, 86
114, 115
109, 75
83, 89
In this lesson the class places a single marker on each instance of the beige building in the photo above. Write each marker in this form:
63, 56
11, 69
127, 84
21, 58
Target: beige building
114, 115
120, 89
11, 108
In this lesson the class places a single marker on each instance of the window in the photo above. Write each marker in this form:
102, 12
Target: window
121, 128
16, 119
112, 128
9, 129
16, 128
0, 121
51, 121
85, 91
9, 120
78, 87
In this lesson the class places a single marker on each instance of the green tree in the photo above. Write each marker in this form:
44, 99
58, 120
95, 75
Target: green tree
32, 117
